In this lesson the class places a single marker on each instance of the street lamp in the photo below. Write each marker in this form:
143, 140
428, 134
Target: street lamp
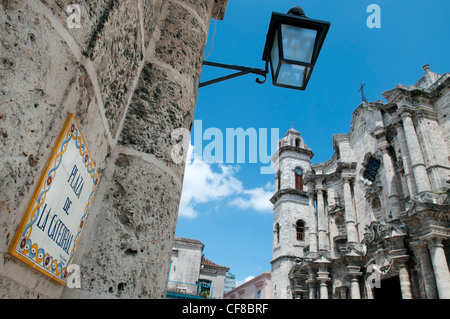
292, 47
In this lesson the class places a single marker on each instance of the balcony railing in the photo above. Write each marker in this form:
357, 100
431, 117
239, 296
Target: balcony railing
185, 290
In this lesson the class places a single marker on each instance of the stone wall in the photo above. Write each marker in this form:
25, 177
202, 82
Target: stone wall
130, 75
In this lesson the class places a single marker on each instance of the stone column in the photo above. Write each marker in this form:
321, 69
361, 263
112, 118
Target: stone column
423, 255
311, 286
405, 282
354, 274
389, 176
312, 221
406, 161
415, 154
127, 248
432, 142
403, 275
323, 279
350, 218
321, 230
440, 267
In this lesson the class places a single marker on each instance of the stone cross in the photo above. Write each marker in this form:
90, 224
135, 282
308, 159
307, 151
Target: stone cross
361, 89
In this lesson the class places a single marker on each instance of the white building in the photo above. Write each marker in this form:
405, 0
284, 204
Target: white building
256, 288
191, 274
230, 282
377, 213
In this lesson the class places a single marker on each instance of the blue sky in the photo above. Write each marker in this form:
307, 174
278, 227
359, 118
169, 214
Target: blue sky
225, 205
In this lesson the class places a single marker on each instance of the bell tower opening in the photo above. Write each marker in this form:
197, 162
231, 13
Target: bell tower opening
298, 178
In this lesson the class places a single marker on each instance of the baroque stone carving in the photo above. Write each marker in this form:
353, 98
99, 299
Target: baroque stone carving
373, 189
378, 231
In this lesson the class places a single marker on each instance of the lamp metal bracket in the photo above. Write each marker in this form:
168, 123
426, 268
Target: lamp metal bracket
243, 70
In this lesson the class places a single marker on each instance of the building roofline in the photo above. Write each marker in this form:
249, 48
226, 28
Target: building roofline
251, 281
209, 263
188, 241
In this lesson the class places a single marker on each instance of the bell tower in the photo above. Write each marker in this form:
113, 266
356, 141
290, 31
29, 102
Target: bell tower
290, 211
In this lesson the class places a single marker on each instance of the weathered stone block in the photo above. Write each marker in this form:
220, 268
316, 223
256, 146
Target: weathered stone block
136, 224
93, 15
34, 74
151, 11
117, 53
182, 41
159, 105
203, 8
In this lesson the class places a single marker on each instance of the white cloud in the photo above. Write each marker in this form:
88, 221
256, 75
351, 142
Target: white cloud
241, 282
203, 184
257, 199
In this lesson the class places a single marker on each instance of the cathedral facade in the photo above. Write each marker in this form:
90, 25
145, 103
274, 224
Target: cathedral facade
373, 221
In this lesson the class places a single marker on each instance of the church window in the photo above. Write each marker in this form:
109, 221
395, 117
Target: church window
299, 178
279, 179
300, 227
372, 168
277, 232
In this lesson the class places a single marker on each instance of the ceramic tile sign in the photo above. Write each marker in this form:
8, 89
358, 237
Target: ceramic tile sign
50, 231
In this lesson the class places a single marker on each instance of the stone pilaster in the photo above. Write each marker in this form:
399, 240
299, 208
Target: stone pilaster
401, 258
440, 267
323, 278
321, 229
415, 154
422, 253
354, 274
312, 220
434, 151
311, 282
390, 181
350, 217
412, 189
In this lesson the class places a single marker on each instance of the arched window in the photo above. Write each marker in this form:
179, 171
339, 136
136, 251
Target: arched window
277, 232
279, 179
300, 228
298, 178
372, 168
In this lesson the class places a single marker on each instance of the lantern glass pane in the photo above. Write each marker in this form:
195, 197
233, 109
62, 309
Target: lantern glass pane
291, 74
275, 55
298, 43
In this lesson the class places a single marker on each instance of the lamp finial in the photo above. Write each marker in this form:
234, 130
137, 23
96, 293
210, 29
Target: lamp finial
297, 11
